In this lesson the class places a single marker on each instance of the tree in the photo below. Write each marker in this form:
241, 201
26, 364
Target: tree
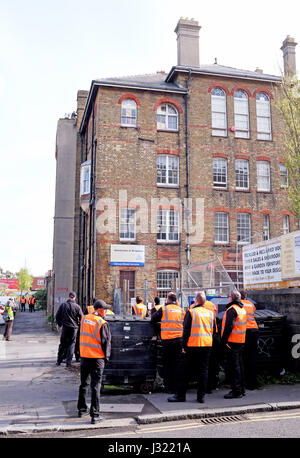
288, 103
25, 279
41, 297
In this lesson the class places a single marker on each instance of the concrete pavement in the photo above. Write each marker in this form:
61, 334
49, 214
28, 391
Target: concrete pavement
37, 396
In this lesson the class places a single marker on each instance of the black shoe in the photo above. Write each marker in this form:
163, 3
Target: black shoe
57, 363
95, 420
82, 412
232, 395
69, 365
176, 399
201, 400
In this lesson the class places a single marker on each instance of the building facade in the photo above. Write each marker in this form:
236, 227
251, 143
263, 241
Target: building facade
175, 169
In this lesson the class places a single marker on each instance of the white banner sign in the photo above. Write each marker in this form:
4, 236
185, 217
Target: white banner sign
261, 263
127, 255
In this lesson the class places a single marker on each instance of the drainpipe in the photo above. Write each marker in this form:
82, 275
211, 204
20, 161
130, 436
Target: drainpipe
187, 159
92, 198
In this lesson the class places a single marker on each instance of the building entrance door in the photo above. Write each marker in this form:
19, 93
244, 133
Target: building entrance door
128, 275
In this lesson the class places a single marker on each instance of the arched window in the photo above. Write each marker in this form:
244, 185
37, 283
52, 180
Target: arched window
263, 116
218, 112
241, 114
128, 113
167, 117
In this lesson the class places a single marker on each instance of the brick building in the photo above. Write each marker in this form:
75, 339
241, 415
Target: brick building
207, 133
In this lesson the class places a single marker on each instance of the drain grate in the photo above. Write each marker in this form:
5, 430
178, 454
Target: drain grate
12, 410
221, 420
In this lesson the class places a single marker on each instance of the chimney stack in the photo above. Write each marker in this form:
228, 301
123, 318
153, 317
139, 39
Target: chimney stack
289, 55
187, 31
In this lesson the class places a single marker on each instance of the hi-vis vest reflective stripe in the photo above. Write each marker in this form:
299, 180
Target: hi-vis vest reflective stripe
90, 309
90, 340
238, 334
171, 322
202, 327
140, 310
250, 309
213, 308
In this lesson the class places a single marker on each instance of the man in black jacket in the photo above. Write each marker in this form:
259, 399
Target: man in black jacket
234, 349
68, 317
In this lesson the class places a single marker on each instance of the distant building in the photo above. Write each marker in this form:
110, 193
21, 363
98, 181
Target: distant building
206, 132
38, 283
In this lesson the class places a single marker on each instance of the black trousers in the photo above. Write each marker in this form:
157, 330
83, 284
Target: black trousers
67, 344
235, 365
171, 354
214, 364
195, 364
94, 368
22, 307
250, 358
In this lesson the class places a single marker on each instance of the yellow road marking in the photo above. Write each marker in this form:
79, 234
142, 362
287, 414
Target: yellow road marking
199, 425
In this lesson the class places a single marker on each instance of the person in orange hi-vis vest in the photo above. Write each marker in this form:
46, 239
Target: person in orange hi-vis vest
233, 336
214, 360
89, 309
198, 329
139, 308
251, 344
170, 317
23, 302
95, 349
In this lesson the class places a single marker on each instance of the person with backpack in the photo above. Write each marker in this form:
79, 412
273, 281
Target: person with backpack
8, 316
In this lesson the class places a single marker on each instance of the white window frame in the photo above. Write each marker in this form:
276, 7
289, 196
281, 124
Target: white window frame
167, 167
243, 224
128, 113
218, 170
218, 112
127, 224
263, 116
266, 226
241, 114
167, 282
284, 176
219, 229
242, 177
263, 176
164, 114
85, 178
286, 224
166, 231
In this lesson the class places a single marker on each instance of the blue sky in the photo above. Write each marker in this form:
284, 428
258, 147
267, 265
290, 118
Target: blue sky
50, 49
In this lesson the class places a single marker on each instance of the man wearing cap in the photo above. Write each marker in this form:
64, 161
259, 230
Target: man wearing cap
68, 317
95, 348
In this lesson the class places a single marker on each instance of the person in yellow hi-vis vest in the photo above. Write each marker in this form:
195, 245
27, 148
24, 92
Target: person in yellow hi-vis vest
233, 336
95, 349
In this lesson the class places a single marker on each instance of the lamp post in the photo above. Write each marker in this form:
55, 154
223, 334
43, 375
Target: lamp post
240, 242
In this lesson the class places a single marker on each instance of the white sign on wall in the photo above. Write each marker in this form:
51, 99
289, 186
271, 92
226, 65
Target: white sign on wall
127, 255
262, 263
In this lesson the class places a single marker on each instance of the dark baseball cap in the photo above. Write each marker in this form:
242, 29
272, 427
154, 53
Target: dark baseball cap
100, 304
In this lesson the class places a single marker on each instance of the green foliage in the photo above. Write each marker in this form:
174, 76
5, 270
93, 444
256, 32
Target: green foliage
288, 103
25, 279
41, 297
